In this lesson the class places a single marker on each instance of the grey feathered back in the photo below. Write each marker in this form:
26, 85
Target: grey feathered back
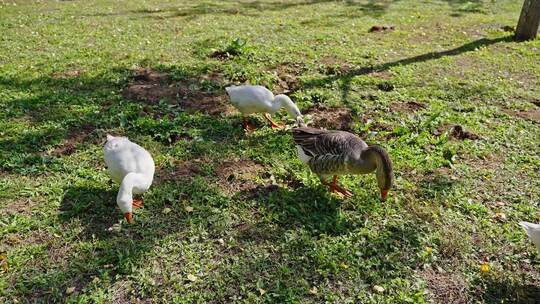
329, 150
320, 142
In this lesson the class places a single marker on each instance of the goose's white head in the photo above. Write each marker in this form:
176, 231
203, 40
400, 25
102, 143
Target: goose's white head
115, 142
125, 204
290, 106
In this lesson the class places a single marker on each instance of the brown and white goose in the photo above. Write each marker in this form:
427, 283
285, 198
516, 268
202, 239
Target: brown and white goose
334, 153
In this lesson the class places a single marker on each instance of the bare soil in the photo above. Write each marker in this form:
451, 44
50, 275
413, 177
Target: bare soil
458, 132
287, 74
238, 175
150, 87
332, 118
181, 171
381, 28
334, 66
533, 114
409, 106
446, 288
22, 206
76, 137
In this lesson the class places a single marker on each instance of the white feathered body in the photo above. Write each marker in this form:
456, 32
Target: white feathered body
123, 156
131, 166
250, 99
533, 232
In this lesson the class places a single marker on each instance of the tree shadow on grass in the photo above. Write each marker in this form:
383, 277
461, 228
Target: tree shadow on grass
94, 245
345, 79
105, 246
247, 8
309, 242
94, 207
49, 115
311, 209
299, 260
460, 7
60, 112
435, 186
504, 290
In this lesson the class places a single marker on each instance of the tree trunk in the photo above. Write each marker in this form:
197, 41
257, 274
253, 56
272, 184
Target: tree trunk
528, 20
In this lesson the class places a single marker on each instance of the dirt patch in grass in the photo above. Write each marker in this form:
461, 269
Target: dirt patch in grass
182, 171
260, 191
459, 132
384, 75
22, 206
456, 132
150, 86
332, 118
75, 137
209, 104
381, 28
238, 176
447, 288
533, 114
334, 66
57, 248
287, 74
409, 106
67, 74
257, 233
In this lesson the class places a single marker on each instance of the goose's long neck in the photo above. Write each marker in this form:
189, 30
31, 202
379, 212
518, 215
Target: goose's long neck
125, 193
378, 157
283, 101
275, 105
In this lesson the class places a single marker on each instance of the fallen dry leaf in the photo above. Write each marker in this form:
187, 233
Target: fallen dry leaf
189, 208
13, 239
115, 227
262, 291
3, 261
166, 210
500, 216
378, 289
191, 277
313, 290
70, 290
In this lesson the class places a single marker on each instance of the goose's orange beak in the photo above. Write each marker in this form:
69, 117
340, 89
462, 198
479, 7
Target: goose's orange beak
129, 217
384, 194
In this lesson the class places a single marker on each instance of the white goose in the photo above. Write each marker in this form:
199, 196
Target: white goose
533, 232
250, 99
131, 166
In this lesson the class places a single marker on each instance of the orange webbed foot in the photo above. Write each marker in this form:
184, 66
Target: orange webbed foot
277, 126
273, 124
337, 189
334, 188
137, 203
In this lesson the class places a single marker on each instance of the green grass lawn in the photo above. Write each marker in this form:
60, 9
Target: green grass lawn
236, 218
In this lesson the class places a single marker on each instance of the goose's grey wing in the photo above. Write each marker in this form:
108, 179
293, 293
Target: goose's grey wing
321, 142
328, 150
